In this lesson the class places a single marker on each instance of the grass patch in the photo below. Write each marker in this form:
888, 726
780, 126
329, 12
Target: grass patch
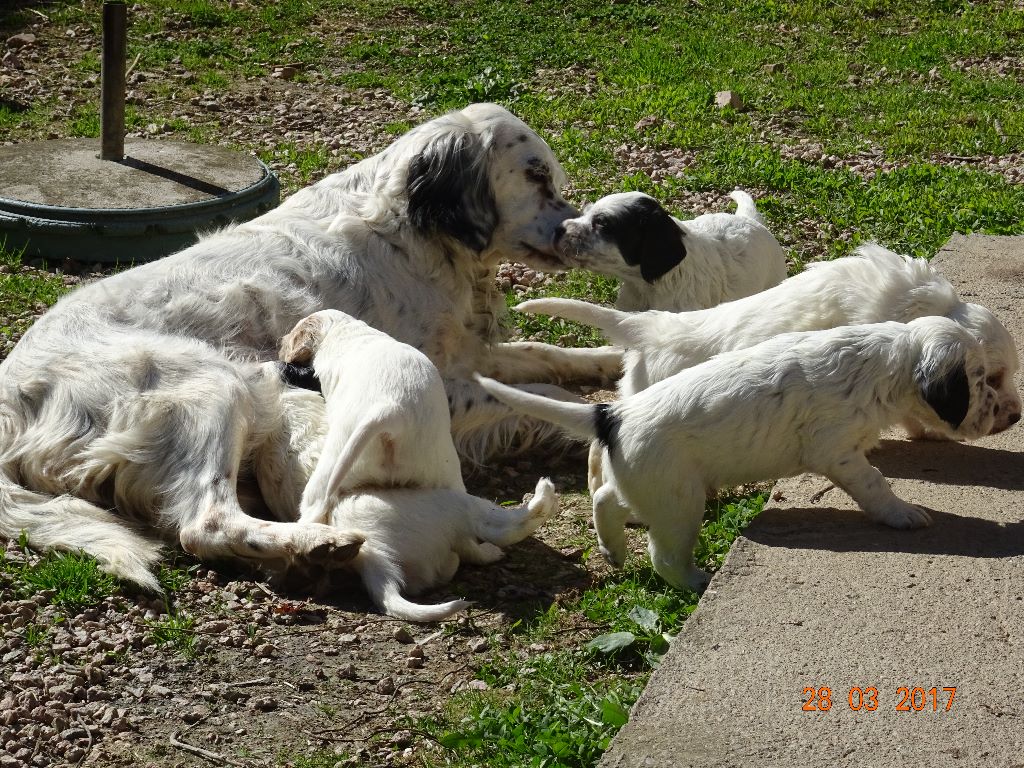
177, 631
563, 707
23, 293
74, 579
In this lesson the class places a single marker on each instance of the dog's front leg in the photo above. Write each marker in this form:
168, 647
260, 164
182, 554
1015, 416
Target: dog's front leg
869, 488
519, 362
610, 524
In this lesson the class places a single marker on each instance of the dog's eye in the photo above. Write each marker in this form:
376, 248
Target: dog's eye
995, 380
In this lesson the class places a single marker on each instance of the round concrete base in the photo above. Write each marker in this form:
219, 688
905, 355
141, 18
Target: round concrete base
59, 201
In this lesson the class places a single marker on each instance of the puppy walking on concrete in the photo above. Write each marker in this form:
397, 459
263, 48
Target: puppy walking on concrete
812, 401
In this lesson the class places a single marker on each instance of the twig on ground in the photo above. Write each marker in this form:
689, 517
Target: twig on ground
199, 751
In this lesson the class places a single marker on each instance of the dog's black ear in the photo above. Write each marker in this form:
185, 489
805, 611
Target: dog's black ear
649, 237
949, 395
301, 376
450, 192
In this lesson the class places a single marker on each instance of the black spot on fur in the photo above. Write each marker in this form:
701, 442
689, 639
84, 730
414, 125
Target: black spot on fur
606, 424
949, 396
523, 138
301, 376
450, 193
646, 235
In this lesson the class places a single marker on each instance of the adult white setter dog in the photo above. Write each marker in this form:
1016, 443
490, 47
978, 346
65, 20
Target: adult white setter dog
142, 393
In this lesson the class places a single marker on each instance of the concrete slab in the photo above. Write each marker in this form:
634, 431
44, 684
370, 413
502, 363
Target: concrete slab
814, 596
58, 200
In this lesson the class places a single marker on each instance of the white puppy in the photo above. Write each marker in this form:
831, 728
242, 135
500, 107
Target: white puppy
665, 263
813, 401
414, 538
871, 286
387, 413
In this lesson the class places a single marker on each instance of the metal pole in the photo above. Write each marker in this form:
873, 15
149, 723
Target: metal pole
112, 85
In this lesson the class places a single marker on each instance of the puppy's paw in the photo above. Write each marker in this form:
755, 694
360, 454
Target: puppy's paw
900, 514
615, 555
544, 503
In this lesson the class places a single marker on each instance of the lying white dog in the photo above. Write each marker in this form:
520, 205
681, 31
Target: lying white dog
414, 538
665, 263
142, 392
813, 401
387, 414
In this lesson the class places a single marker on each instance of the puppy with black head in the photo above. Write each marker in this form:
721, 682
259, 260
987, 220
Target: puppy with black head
801, 402
665, 263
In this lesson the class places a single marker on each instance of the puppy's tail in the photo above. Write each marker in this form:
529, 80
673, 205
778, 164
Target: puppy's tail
612, 322
72, 525
745, 206
579, 419
383, 579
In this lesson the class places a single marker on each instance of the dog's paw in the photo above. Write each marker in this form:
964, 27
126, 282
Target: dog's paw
615, 555
332, 548
544, 503
903, 515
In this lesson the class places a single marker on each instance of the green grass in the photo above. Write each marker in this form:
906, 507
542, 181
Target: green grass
23, 293
75, 579
564, 706
176, 631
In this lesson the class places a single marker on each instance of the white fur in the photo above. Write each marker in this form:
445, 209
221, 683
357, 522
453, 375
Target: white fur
387, 415
813, 401
871, 286
415, 535
141, 392
727, 256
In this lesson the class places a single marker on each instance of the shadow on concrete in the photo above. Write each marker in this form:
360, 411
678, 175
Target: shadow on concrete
850, 531
950, 463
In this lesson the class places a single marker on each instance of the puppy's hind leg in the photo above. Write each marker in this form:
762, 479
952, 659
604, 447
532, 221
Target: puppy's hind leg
503, 526
869, 488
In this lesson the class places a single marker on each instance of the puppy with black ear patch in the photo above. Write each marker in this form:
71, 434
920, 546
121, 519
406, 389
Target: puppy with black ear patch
665, 263
801, 402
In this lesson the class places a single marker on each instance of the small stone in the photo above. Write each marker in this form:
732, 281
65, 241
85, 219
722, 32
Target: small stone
285, 73
348, 639
22, 40
403, 635
385, 686
414, 662
264, 651
725, 99
478, 645
264, 704
347, 672
416, 652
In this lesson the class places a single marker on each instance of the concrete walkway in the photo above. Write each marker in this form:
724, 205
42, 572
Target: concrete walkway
815, 596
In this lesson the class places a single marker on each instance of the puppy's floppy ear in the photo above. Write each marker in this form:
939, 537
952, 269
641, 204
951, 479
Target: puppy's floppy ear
649, 237
450, 192
947, 391
301, 343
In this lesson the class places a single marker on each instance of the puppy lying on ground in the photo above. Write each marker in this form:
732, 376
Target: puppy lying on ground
378, 454
813, 401
665, 263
